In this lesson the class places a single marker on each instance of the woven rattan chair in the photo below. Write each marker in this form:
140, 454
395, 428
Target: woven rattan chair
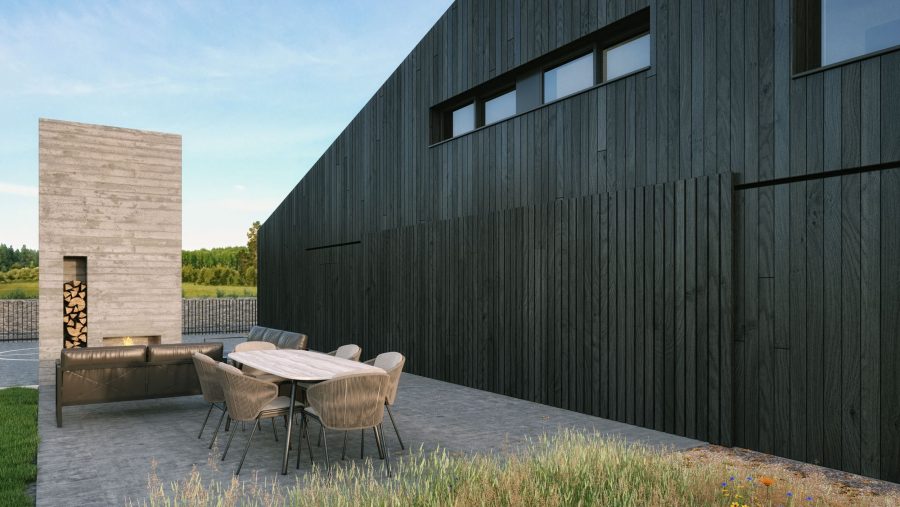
392, 363
250, 400
211, 386
253, 372
353, 401
351, 352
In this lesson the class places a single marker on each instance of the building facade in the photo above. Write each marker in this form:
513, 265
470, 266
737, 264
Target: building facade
683, 215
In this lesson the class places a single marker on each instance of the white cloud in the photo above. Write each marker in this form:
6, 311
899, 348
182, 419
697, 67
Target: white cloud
11, 188
240, 188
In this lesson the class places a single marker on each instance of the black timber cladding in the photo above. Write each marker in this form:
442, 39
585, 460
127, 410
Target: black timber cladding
579, 254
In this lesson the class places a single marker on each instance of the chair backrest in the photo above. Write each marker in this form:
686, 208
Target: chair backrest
244, 395
351, 352
392, 363
210, 379
248, 346
350, 402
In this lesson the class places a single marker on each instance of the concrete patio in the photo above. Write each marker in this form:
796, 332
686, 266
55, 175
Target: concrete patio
103, 453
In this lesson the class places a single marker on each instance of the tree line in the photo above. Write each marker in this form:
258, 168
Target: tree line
234, 265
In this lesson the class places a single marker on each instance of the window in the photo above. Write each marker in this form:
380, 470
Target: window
852, 28
500, 107
832, 31
626, 57
464, 119
569, 78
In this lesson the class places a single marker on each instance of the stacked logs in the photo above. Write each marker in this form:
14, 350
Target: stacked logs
75, 318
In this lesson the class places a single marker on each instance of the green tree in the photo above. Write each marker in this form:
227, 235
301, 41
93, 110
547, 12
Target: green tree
252, 236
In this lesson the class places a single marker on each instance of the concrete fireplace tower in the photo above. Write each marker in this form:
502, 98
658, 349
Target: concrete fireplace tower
110, 235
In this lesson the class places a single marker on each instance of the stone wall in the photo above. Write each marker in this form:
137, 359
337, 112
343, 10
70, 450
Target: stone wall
112, 195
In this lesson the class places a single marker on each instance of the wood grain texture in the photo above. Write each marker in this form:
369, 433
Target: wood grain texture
570, 238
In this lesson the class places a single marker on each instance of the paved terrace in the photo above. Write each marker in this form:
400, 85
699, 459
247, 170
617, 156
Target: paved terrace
103, 453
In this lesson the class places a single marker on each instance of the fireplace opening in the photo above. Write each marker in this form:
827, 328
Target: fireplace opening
120, 341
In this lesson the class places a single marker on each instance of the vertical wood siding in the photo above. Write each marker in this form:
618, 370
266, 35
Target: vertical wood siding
480, 258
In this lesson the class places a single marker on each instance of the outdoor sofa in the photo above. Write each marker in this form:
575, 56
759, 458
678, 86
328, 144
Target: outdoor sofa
104, 374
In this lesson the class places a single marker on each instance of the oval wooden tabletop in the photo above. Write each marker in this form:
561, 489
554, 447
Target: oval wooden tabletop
302, 365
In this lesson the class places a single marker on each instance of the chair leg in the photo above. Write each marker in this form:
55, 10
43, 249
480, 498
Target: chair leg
228, 445
216, 433
378, 443
394, 424
321, 430
308, 444
344, 450
325, 442
211, 405
362, 443
246, 448
300, 439
273, 429
379, 435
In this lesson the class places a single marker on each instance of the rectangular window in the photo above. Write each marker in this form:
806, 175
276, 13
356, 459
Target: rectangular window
464, 120
626, 57
569, 78
500, 107
852, 28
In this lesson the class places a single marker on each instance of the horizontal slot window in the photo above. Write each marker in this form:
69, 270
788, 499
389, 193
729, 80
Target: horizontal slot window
851, 28
627, 57
500, 107
464, 120
569, 78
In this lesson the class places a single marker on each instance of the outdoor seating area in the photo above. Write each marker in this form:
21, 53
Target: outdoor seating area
162, 434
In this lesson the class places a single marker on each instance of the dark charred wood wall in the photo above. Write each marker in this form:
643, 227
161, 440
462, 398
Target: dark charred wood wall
705, 247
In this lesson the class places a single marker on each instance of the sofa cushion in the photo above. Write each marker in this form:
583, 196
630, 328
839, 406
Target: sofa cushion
181, 352
291, 340
256, 333
272, 336
103, 357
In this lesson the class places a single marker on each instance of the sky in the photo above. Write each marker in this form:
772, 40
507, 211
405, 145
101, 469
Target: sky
257, 89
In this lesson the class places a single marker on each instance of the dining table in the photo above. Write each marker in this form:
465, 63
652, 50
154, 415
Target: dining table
299, 366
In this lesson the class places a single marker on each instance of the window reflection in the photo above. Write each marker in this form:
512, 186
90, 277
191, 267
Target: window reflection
852, 28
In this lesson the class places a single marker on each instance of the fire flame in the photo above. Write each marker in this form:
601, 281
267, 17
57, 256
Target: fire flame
127, 341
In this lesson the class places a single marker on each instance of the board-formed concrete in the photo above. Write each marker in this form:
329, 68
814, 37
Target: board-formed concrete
103, 453
112, 195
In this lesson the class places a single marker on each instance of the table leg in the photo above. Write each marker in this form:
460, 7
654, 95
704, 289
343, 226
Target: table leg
290, 423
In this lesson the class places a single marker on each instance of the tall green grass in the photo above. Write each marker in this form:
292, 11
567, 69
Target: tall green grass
569, 469
18, 444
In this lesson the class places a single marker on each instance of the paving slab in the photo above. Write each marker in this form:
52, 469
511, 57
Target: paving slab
18, 363
104, 453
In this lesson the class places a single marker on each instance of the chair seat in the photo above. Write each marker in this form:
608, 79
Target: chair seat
278, 406
267, 377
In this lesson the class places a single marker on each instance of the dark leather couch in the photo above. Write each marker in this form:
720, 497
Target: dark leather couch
103, 374
281, 339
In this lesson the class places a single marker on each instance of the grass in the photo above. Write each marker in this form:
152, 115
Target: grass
29, 290
19, 290
192, 290
570, 469
18, 445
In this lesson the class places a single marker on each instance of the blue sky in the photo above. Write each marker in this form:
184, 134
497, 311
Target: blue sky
258, 90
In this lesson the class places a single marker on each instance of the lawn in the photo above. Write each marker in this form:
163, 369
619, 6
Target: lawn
192, 290
29, 290
18, 445
19, 290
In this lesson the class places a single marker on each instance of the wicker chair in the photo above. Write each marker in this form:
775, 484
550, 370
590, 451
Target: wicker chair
253, 372
353, 401
351, 352
250, 400
392, 363
211, 386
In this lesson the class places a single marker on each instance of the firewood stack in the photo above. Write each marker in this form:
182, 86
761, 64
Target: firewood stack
75, 318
